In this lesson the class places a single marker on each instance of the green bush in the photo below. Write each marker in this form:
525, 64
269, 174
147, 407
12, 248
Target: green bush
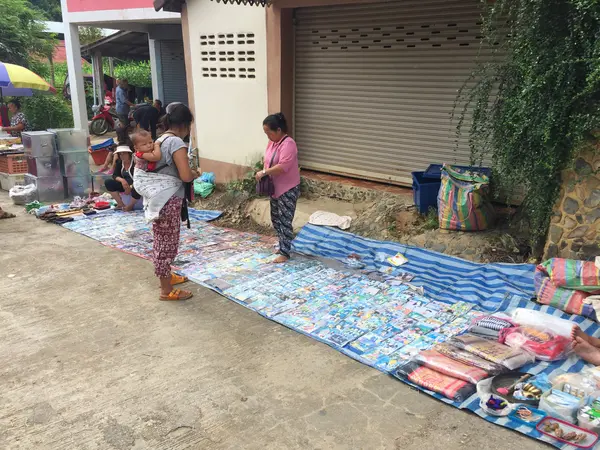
137, 73
47, 111
246, 184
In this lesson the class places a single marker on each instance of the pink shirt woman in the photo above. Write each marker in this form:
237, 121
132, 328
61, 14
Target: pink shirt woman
285, 172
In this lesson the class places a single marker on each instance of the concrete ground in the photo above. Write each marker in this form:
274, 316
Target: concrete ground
92, 360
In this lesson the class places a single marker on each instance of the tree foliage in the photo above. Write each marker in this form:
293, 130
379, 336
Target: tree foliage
22, 37
87, 35
535, 107
137, 73
49, 8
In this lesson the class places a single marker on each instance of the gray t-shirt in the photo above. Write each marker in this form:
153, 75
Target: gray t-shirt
169, 146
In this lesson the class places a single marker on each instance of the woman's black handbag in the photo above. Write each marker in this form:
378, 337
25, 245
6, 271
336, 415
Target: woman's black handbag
265, 185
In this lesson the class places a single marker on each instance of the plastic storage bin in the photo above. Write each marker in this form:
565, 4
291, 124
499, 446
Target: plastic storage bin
78, 186
49, 189
43, 166
69, 139
425, 192
39, 143
75, 164
98, 182
9, 180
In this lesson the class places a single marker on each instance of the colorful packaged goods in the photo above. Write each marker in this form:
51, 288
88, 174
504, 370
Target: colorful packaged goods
493, 351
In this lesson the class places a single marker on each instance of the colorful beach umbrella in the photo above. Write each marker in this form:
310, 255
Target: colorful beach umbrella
19, 81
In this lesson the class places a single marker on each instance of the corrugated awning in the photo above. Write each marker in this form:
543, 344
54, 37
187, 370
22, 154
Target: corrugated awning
175, 5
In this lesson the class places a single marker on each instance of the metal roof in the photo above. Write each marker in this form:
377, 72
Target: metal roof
123, 44
175, 5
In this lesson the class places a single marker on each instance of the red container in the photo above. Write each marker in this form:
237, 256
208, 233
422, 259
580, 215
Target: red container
13, 163
99, 156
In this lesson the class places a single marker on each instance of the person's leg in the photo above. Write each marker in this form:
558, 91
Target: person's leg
586, 351
166, 232
114, 188
134, 199
287, 209
108, 162
578, 333
275, 217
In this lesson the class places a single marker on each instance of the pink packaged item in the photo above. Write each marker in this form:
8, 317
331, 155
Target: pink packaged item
543, 344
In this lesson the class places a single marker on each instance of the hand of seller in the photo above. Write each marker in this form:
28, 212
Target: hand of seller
126, 186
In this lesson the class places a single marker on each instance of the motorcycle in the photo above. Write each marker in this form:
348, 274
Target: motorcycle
105, 119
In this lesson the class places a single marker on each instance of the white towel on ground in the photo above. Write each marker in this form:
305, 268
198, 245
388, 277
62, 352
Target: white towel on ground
328, 219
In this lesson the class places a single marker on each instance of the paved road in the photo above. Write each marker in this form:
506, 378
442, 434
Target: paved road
90, 359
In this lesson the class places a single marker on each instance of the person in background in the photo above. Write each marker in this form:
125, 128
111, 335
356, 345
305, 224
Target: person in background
18, 121
122, 179
285, 172
147, 117
123, 107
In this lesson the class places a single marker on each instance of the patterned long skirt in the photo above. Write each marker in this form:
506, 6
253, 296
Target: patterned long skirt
166, 231
282, 216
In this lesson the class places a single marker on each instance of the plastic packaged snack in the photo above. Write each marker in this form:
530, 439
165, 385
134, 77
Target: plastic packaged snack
450, 387
463, 356
532, 318
510, 358
542, 343
587, 381
560, 404
442, 364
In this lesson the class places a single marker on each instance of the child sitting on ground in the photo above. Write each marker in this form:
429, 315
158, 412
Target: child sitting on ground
585, 346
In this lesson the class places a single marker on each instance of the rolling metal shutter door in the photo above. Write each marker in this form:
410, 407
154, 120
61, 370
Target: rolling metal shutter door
172, 64
375, 85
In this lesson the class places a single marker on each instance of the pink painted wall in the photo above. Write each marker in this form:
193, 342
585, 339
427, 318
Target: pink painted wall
95, 5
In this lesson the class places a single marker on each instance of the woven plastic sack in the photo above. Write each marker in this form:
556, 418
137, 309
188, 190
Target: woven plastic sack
464, 200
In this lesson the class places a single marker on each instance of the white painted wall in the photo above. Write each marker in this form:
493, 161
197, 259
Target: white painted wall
229, 111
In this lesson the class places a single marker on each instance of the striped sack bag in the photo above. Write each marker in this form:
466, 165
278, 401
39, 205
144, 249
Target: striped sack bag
566, 283
464, 200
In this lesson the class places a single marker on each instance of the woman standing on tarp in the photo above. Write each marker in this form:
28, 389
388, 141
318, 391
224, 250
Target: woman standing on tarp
281, 164
164, 194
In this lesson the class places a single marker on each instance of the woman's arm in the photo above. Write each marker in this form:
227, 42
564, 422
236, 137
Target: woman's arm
180, 158
18, 127
287, 160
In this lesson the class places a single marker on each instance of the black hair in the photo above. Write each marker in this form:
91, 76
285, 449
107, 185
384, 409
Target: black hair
159, 102
178, 115
276, 122
16, 102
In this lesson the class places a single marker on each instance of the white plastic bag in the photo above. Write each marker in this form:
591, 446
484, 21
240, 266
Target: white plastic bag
22, 195
542, 320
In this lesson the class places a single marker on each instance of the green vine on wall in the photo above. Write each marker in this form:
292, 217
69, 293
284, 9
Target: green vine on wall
535, 103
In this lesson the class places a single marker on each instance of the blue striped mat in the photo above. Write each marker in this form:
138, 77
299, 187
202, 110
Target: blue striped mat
494, 287
444, 278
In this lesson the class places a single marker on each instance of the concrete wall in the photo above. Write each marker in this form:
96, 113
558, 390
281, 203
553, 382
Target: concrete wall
575, 228
230, 95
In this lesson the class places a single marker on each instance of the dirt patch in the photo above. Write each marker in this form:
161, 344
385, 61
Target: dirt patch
394, 218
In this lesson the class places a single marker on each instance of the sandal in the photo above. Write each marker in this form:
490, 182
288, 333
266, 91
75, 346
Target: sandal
175, 295
177, 279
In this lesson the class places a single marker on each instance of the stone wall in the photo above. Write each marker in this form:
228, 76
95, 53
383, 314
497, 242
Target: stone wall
575, 228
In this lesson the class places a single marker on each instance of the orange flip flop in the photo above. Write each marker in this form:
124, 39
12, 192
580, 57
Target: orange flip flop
175, 295
177, 279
